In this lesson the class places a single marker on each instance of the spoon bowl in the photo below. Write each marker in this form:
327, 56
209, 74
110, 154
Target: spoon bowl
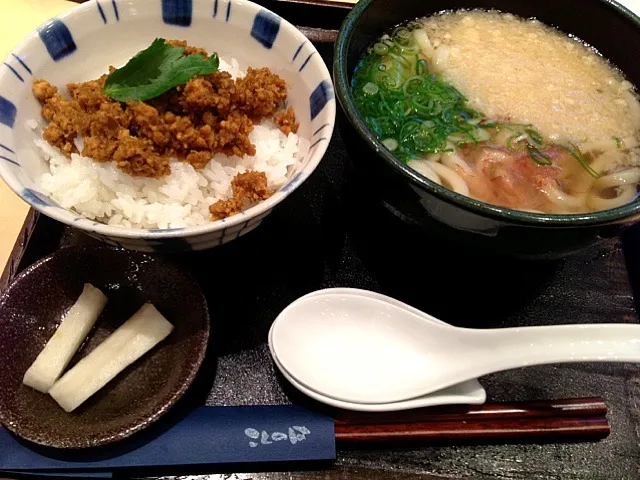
358, 349
465, 393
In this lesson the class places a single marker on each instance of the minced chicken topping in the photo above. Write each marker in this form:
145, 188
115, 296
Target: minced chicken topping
210, 114
248, 188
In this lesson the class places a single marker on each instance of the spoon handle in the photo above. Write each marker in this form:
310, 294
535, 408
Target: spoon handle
507, 348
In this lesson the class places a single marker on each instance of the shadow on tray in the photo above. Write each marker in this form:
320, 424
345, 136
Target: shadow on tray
631, 247
460, 287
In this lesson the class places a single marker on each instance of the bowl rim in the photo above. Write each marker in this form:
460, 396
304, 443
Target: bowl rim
260, 209
343, 94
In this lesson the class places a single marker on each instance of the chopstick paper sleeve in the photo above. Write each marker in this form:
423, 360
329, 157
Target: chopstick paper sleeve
209, 435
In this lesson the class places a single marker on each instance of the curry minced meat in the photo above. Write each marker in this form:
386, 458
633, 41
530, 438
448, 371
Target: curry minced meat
210, 114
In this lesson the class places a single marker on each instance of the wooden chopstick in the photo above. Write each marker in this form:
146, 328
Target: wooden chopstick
579, 419
556, 430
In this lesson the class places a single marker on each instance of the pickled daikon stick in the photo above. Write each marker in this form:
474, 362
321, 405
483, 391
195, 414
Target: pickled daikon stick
143, 331
73, 329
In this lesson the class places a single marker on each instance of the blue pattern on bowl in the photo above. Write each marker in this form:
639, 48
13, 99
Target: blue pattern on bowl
57, 38
20, 65
104, 16
177, 12
315, 144
159, 244
7, 112
14, 72
7, 159
215, 10
304, 64
266, 26
320, 97
37, 198
298, 50
320, 129
171, 244
22, 62
293, 183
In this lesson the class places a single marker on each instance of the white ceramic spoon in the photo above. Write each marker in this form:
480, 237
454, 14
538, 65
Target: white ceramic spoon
364, 350
465, 393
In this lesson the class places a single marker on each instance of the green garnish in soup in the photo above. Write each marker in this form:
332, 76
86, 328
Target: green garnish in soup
409, 108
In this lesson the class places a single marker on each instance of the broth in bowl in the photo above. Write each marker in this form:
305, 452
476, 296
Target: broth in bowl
505, 110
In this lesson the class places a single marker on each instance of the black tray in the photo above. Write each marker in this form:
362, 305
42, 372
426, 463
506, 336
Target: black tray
327, 234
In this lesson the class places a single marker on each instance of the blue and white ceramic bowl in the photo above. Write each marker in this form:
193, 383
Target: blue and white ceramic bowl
80, 44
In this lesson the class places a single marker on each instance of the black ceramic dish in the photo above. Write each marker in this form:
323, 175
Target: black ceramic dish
604, 24
30, 311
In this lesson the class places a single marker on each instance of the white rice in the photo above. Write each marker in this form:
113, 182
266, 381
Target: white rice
102, 192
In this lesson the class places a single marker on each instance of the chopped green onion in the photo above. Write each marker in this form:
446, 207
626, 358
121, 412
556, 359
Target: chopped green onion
618, 142
403, 33
534, 135
481, 135
380, 49
422, 67
537, 156
370, 88
390, 143
575, 152
460, 138
412, 106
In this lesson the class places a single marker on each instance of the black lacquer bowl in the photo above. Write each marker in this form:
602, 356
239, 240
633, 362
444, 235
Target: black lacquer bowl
612, 29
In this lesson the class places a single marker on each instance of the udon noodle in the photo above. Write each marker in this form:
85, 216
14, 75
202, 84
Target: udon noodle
505, 110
